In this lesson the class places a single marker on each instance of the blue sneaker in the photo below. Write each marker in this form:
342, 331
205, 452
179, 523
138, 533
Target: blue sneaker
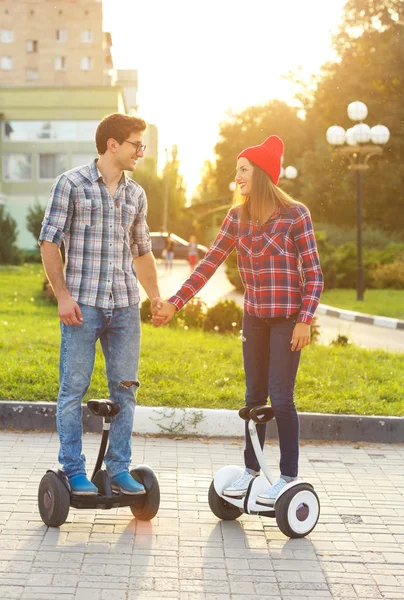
81, 486
124, 483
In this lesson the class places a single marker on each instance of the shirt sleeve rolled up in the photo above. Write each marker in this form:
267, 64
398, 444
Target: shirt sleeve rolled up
58, 212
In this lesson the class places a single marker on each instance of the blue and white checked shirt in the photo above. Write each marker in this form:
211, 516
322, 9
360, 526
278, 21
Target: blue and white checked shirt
101, 234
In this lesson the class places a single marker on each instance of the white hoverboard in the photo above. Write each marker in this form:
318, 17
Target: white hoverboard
296, 508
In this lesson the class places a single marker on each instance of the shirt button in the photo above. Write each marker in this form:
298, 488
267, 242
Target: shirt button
110, 244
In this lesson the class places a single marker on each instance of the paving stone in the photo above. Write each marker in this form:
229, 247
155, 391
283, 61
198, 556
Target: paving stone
356, 550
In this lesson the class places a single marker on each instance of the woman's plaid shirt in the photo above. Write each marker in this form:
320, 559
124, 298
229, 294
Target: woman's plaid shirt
278, 264
101, 234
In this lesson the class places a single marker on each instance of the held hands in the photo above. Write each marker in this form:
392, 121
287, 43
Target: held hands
162, 312
300, 337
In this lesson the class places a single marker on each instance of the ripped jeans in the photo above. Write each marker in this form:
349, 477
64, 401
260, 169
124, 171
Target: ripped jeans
118, 330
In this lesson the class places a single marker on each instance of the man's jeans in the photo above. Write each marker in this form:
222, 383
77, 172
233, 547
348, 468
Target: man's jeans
118, 329
270, 370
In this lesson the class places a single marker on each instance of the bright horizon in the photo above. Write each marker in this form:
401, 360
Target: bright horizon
198, 61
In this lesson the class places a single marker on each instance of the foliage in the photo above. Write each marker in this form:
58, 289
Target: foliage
34, 219
192, 315
390, 275
223, 317
179, 220
9, 253
250, 127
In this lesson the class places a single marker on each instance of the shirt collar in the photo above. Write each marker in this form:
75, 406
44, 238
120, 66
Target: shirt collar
96, 174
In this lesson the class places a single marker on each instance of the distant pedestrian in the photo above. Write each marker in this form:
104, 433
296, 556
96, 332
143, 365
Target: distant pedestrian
192, 252
169, 252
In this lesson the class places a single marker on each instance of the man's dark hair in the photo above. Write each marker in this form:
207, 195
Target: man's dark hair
116, 126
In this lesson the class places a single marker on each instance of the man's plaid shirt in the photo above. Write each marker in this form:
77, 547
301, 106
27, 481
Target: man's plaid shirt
278, 264
101, 234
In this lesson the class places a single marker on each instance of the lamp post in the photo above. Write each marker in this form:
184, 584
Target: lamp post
359, 143
165, 205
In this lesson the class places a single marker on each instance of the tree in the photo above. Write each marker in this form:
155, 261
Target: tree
252, 126
9, 253
146, 175
207, 189
370, 47
34, 219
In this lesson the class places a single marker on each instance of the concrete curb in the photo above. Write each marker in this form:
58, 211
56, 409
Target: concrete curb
350, 315
27, 416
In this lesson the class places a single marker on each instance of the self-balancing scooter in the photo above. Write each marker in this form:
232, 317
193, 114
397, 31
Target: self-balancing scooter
297, 507
55, 496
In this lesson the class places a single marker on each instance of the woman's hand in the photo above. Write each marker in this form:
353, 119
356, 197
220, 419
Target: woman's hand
161, 316
300, 337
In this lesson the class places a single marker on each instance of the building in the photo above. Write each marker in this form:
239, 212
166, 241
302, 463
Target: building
56, 83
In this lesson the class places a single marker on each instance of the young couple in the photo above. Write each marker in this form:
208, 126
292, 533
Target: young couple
100, 216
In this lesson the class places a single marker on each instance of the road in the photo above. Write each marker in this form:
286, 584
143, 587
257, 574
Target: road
219, 288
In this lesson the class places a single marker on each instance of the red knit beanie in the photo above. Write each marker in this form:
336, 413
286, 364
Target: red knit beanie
267, 155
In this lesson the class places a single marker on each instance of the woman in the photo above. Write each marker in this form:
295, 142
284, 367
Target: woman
192, 252
280, 270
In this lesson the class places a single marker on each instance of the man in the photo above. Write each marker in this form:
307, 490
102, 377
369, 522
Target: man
100, 216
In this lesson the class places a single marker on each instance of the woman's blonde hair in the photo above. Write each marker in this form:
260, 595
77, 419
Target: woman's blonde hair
264, 195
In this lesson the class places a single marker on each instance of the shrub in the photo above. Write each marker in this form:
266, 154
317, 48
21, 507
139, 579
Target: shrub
9, 253
34, 219
314, 331
145, 311
224, 316
192, 315
390, 276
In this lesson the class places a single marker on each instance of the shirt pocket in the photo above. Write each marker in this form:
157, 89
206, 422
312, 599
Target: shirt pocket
273, 244
128, 213
88, 211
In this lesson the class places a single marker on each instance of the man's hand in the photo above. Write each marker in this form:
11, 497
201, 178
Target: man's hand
300, 337
156, 304
69, 311
164, 314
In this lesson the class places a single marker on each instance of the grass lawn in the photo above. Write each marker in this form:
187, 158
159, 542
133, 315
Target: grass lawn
184, 368
386, 303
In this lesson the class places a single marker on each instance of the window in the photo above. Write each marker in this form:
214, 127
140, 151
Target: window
86, 63
32, 74
62, 131
31, 46
82, 158
6, 35
61, 35
52, 165
6, 63
60, 63
17, 166
86, 36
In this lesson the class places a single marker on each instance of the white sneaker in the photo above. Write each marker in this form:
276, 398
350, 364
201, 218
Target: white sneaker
239, 487
268, 498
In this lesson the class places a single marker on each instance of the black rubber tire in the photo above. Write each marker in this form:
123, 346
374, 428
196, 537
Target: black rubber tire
52, 491
282, 507
220, 508
147, 506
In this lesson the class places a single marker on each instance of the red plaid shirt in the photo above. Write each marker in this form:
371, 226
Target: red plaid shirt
278, 263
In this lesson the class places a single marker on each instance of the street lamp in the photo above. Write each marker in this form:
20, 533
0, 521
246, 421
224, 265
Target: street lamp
359, 143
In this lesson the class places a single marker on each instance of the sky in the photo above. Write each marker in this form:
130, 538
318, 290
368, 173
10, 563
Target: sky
198, 61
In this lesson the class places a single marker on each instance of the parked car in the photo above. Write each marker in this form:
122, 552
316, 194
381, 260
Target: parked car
180, 245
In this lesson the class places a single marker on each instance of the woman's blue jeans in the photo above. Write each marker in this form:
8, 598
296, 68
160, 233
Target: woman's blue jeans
270, 370
118, 330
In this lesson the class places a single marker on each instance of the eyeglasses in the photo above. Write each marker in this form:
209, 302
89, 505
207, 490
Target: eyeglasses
137, 146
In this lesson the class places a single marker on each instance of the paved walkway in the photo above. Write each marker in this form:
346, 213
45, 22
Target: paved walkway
356, 550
